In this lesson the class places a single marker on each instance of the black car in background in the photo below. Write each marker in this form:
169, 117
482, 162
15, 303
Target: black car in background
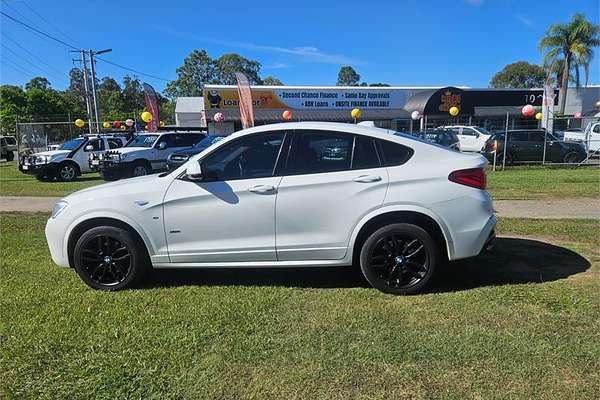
528, 146
179, 158
443, 137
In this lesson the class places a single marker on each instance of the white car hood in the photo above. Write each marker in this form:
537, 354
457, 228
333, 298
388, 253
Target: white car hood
105, 190
54, 154
128, 150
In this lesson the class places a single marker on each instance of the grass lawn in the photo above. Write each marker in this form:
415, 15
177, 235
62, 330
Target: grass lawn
520, 322
15, 183
536, 182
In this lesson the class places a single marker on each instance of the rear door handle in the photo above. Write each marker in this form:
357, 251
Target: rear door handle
262, 189
367, 178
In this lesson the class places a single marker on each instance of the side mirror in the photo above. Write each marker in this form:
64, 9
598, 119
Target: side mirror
194, 171
162, 145
89, 147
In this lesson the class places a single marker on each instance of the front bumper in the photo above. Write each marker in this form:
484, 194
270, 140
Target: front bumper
55, 236
113, 170
49, 169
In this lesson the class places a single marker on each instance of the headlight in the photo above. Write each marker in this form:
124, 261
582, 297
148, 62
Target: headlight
42, 159
58, 207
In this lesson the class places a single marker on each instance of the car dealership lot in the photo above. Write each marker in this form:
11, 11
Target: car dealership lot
520, 321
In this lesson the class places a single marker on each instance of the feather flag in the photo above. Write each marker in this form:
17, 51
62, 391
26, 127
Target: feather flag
245, 96
151, 100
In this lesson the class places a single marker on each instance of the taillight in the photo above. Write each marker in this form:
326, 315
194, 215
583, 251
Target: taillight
494, 145
473, 177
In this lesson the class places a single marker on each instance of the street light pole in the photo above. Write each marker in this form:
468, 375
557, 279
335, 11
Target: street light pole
94, 93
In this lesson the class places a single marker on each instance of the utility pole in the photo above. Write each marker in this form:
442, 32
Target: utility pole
94, 93
87, 96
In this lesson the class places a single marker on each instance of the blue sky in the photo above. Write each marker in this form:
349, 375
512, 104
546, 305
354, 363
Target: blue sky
424, 42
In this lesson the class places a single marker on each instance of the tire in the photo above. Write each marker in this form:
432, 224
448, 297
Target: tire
10, 156
67, 171
500, 157
109, 258
140, 168
109, 176
399, 259
572, 157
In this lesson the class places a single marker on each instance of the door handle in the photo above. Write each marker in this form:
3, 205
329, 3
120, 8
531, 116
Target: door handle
367, 178
262, 189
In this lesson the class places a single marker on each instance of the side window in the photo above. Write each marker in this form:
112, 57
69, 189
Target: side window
596, 128
518, 137
188, 139
316, 152
248, 157
394, 153
97, 144
365, 155
536, 137
114, 143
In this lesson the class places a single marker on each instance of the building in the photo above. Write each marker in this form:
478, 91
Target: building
389, 107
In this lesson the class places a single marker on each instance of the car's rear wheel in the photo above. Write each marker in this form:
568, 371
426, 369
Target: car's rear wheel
67, 171
399, 259
10, 156
109, 258
572, 158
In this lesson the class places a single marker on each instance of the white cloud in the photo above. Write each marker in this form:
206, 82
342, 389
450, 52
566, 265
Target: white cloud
278, 65
524, 20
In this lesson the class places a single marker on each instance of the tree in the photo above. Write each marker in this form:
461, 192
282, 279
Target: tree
228, 64
272, 81
574, 42
197, 70
347, 77
13, 104
520, 74
133, 95
39, 83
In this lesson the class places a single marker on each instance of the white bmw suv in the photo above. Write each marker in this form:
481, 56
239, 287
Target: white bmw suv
285, 195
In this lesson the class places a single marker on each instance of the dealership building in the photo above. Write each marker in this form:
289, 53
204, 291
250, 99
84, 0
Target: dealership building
389, 107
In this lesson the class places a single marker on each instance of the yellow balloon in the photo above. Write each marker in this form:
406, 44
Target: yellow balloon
454, 111
79, 123
538, 116
106, 124
356, 113
146, 116
162, 124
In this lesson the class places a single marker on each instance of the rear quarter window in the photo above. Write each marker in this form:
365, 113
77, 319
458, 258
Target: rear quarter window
394, 153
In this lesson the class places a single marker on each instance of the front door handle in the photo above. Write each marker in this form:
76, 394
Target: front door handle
367, 178
262, 189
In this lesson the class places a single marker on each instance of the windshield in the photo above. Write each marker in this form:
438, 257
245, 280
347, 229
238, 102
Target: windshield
71, 144
143, 141
207, 141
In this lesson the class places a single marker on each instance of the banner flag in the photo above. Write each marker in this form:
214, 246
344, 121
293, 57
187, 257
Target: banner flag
151, 100
548, 108
245, 96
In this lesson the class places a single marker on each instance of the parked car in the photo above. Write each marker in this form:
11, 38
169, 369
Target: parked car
144, 154
472, 138
71, 158
5, 150
590, 137
11, 143
528, 146
265, 196
179, 158
443, 137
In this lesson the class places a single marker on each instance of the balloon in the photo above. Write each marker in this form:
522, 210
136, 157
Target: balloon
598, 104
123, 127
79, 123
528, 111
106, 124
116, 124
218, 117
162, 124
538, 116
577, 114
146, 116
415, 115
129, 122
287, 115
356, 113
454, 111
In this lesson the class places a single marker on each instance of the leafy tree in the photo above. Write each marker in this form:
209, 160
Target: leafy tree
347, 77
39, 83
133, 95
520, 74
272, 81
13, 104
228, 64
44, 104
197, 70
574, 42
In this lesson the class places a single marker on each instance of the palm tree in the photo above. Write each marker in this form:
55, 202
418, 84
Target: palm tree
574, 42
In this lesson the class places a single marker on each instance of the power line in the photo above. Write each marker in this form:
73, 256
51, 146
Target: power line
132, 70
16, 66
39, 31
32, 64
39, 59
49, 23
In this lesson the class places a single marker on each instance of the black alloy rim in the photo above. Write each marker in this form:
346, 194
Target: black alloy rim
106, 260
400, 261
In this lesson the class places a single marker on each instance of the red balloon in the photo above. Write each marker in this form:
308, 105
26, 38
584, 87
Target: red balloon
528, 110
287, 115
116, 124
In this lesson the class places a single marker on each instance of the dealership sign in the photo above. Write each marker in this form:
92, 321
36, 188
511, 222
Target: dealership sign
309, 99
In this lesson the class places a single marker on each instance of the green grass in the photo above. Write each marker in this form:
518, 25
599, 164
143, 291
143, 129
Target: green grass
538, 182
521, 322
15, 183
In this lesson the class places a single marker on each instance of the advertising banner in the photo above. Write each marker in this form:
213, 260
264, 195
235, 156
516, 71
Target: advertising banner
151, 101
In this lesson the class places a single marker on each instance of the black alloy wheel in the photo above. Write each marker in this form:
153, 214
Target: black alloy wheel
399, 259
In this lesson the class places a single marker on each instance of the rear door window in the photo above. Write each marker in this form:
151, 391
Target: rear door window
518, 136
536, 137
365, 153
394, 153
114, 143
318, 151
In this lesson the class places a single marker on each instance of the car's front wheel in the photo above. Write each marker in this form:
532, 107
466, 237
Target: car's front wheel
67, 171
573, 158
109, 258
140, 168
399, 258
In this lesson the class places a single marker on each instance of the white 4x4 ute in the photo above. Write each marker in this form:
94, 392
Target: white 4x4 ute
71, 158
145, 153
590, 138
471, 138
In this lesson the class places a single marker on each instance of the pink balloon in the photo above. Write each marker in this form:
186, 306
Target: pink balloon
218, 117
415, 115
528, 110
577, 114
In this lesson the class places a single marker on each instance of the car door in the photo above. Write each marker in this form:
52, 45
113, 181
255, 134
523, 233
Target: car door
331, 180
82, 157
469, 140
230, 216
536, 143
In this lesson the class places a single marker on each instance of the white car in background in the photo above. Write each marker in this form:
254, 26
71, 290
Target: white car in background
303, 194
590, 137
471, 138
